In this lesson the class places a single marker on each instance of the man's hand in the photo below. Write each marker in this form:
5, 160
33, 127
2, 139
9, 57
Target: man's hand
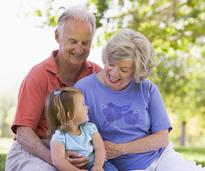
112, 150
77, 160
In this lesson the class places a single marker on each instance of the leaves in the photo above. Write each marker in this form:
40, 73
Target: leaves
176, 30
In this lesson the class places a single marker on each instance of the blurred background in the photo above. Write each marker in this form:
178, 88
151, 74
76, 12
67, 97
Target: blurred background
175, 28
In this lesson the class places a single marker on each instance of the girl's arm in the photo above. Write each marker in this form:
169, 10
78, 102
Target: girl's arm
142, 145
58, 157
99, 152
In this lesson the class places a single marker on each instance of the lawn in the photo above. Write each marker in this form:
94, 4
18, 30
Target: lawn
2, 161
197, 154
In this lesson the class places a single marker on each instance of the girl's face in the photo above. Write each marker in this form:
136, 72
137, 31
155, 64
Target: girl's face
118, 75
81, 110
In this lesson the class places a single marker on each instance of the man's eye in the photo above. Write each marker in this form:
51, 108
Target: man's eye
72, 41
86, 43
111, 64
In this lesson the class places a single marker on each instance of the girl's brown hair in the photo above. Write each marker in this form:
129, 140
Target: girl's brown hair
59, 109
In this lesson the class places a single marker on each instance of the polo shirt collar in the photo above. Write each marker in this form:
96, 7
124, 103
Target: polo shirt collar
50, 63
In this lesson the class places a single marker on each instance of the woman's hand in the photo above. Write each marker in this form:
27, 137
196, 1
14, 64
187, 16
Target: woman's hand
77, 160
97, 168
112, 150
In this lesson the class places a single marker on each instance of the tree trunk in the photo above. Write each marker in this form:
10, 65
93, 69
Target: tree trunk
183, 133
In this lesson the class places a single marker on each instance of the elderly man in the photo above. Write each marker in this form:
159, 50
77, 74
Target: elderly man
74, 34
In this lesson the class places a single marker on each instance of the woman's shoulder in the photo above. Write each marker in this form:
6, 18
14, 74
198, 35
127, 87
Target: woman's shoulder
148, 84
85, 81
86, 78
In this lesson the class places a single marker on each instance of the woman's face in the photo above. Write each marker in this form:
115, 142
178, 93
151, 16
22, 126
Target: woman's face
118, 75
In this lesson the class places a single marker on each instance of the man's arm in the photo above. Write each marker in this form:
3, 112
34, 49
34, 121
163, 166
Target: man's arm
32, 143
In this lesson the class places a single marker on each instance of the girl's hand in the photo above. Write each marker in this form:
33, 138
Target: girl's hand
112, 150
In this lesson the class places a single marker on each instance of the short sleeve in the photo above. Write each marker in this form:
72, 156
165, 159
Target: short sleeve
58, 136
90, 128
158, 114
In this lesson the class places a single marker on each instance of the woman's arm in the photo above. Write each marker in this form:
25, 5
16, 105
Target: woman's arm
142, 145
58, 157
99, 152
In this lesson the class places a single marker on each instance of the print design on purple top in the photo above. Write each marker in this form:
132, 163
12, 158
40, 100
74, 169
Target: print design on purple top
113, 113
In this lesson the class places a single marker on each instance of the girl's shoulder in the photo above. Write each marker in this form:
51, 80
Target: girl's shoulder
89, 127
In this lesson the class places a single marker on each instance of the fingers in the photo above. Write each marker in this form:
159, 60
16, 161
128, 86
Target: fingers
72, 154
81, 165
79, 162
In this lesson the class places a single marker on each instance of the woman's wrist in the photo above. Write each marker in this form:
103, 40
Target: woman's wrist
122, 148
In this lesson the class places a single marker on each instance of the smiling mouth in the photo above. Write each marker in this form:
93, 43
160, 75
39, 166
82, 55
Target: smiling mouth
113, 80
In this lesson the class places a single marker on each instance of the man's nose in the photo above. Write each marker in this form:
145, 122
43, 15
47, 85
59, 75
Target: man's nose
79, 48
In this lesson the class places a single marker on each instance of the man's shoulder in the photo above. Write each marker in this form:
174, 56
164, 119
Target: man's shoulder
95, 67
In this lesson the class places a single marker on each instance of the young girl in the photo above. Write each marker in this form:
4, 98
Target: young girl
67, 117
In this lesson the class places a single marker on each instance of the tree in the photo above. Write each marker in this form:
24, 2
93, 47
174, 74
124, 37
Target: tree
176, 30
6, 104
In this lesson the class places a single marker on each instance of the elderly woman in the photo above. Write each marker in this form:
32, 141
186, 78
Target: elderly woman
128, 110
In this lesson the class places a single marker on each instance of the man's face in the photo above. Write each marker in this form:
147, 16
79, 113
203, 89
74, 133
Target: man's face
74, 40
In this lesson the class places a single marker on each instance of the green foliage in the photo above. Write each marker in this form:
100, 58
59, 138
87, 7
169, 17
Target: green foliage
6, 112
176, 30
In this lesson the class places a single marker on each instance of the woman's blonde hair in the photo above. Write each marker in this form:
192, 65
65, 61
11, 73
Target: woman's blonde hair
60, 108
130, 44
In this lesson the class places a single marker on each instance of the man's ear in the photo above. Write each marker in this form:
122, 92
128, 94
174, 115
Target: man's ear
57, 35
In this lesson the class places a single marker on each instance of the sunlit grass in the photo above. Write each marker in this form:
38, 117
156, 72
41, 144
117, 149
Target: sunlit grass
193, 153
190, 153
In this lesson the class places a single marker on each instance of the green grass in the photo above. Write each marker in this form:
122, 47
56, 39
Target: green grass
2, 162
196, 154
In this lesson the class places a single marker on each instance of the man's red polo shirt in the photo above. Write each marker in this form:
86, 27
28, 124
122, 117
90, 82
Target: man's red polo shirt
40, 81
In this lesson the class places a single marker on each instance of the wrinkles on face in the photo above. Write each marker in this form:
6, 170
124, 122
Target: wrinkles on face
119, 74
75, 41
